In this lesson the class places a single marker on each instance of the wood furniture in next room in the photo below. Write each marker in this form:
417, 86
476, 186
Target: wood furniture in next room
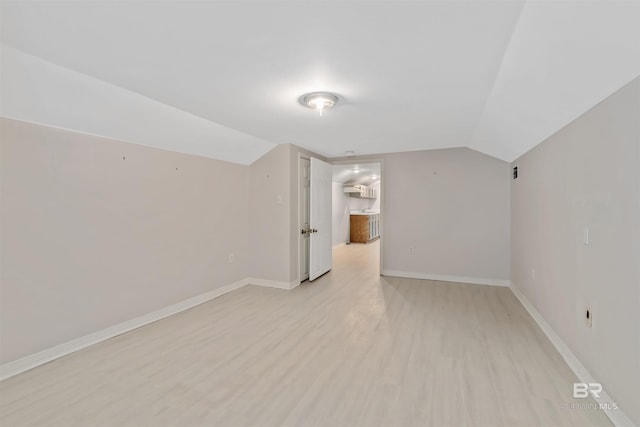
364, 227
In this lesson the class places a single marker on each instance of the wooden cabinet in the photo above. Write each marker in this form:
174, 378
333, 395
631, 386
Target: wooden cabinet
364, 228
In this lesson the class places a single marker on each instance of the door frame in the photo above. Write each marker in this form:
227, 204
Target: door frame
299, 227
383, 192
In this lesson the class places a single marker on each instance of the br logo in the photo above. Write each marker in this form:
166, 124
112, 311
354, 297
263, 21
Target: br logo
582, 390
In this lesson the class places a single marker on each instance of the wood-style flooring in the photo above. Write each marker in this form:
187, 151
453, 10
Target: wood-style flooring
350, 349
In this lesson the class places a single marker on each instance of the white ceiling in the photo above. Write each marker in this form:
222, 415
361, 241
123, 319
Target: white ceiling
346, 174
495, 76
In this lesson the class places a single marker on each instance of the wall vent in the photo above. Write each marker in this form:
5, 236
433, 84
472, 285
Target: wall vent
515, 172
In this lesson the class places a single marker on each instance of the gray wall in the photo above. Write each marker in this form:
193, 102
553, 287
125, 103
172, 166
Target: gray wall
452, 207
270, 206
90, 240
273, 239
586, 175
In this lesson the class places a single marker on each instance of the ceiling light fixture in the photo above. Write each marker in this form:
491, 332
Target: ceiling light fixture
356, 170
374, 176
319, 101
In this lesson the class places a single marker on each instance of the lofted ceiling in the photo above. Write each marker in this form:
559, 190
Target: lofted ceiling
222, 79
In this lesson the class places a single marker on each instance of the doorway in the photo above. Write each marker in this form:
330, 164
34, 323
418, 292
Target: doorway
357, 193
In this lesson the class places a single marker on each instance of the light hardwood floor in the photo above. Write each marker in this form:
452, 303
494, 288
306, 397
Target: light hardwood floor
351, 348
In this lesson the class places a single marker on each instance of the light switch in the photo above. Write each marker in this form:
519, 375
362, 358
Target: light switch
279, 199
585, 236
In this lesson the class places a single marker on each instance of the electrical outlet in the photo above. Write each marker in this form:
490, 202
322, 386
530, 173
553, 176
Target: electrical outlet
588, 317
410, 249
232, 257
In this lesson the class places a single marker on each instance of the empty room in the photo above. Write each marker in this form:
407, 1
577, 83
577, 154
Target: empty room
319, 213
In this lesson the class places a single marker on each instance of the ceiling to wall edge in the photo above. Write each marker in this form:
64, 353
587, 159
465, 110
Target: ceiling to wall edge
107, 137
6, 50
364, 158
272, 143
553, 133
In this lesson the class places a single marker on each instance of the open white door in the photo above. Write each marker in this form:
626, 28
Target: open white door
320, 244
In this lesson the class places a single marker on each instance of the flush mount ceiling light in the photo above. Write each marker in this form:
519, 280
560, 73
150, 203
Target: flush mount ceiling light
319, 101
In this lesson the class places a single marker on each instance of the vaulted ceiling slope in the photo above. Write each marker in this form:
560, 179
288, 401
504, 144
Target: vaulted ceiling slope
222, 79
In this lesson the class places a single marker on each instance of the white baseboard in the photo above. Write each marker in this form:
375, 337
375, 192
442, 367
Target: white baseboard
445, 278
294, 284
273, 283
29, 362
617, 417
338, 245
